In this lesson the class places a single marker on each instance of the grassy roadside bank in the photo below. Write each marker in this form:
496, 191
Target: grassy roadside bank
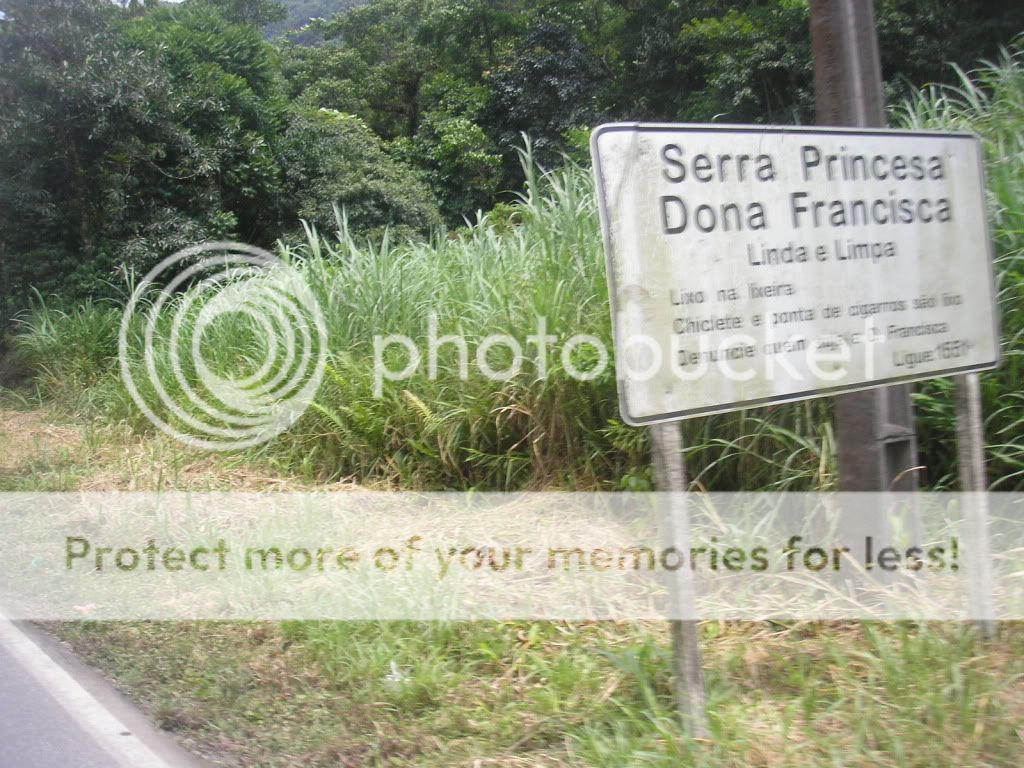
519, 694
549, 694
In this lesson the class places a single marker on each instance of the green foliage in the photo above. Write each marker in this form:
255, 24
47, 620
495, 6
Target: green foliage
76, 104
386, 37
920, 39
547, 69
573, 695
329, 76
332, 159
990, 102
751, 65
128, 136
71, 351
461, 166
548, 85
540, 258
228, 104
389, 64
461, 162
297, 15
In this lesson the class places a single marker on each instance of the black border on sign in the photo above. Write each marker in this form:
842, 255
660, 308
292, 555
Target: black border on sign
792, 396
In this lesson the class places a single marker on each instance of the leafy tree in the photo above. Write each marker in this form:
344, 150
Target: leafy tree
461, 166
919, 39
386, 37
467, 38
129, 129
227, 98
127, 137
329, 76
333, 159
387, 63
549, 85
751, 65
79, 111
298, 14
750, 60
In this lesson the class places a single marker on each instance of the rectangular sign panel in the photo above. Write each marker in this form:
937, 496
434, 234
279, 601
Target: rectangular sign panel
751, 265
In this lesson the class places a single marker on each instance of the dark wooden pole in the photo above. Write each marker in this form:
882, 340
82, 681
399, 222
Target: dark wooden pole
875, 428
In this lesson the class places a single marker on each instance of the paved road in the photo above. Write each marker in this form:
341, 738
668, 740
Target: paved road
35, 730
57, 713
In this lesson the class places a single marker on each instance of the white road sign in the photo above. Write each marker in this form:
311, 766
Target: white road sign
751, 265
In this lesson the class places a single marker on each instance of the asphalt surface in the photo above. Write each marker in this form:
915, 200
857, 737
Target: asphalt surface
36, 731
56, 712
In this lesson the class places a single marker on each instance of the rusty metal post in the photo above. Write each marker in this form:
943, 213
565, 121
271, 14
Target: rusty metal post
877, 444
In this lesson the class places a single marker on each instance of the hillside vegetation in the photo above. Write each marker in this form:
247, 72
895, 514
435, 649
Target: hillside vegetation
542, 257
427, 160
133, 130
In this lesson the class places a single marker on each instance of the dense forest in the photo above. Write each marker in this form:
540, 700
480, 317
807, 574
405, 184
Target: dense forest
132, 129
296, 14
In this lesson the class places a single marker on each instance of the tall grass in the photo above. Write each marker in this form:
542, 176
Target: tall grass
595, 695
989, 101
542, 427
542, 257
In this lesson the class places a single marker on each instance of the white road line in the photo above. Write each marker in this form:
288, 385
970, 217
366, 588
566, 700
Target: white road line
95, 719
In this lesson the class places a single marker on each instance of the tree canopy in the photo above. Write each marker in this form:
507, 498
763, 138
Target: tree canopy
129, 130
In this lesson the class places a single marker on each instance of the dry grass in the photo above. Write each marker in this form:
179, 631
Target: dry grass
31, 435
40, 453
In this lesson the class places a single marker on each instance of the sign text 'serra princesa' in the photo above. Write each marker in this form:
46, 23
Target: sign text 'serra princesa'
679, 214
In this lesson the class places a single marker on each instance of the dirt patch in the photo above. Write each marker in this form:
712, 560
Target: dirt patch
26, 436
38, 454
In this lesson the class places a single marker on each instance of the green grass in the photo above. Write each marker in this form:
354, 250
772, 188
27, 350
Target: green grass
553, 694
540, 258
990, 102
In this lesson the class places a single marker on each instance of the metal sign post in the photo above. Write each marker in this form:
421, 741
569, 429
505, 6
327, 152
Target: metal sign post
877, 444
671, 480
970, 440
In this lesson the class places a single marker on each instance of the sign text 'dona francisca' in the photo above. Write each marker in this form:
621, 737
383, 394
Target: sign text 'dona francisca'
751, 265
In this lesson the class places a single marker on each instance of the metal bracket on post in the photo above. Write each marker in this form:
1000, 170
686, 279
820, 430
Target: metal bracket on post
671, 481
